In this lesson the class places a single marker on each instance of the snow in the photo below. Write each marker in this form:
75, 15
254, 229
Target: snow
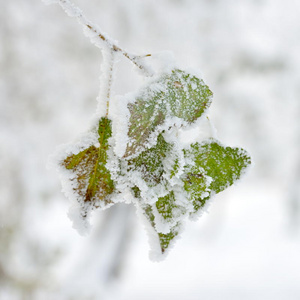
247, 247
119, 113
163, 61
199, 131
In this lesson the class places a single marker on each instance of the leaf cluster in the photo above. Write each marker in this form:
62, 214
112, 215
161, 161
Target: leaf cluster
169, 181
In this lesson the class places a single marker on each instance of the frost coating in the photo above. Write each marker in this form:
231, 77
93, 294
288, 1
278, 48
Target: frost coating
156, 149
175, 98
85, 177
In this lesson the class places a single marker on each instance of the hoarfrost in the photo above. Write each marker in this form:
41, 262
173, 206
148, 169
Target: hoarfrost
150, 148
156, 156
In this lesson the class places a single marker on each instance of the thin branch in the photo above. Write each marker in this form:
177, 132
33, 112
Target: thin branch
74, 11
106, 79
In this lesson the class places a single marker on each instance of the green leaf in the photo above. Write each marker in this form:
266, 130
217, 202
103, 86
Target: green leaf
169, 183
151, 168
165, 206
164, 238
150, 162
177, 94
215, 168
92, 180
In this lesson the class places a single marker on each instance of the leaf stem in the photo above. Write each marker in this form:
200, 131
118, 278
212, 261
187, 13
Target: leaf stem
106, 80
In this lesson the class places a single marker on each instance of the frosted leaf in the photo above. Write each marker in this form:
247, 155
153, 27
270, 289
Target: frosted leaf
170, 178
91, 180
209, 168
159, 156
164, 238
149, 164
177, 95
215, 168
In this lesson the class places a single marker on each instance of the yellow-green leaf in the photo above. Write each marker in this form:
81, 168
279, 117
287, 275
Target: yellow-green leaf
92, 180
215, 168
177, 94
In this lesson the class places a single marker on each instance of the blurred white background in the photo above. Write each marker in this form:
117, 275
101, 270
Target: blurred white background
247, 246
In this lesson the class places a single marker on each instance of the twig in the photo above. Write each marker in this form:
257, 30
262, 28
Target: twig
74, 11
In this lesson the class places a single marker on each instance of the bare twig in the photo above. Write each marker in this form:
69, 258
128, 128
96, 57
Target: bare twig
97, 36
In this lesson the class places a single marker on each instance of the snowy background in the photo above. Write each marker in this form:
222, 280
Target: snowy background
247, 246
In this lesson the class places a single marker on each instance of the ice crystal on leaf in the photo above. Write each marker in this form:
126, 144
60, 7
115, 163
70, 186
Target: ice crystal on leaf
153, 148
176, 95
169, 181
91, 180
